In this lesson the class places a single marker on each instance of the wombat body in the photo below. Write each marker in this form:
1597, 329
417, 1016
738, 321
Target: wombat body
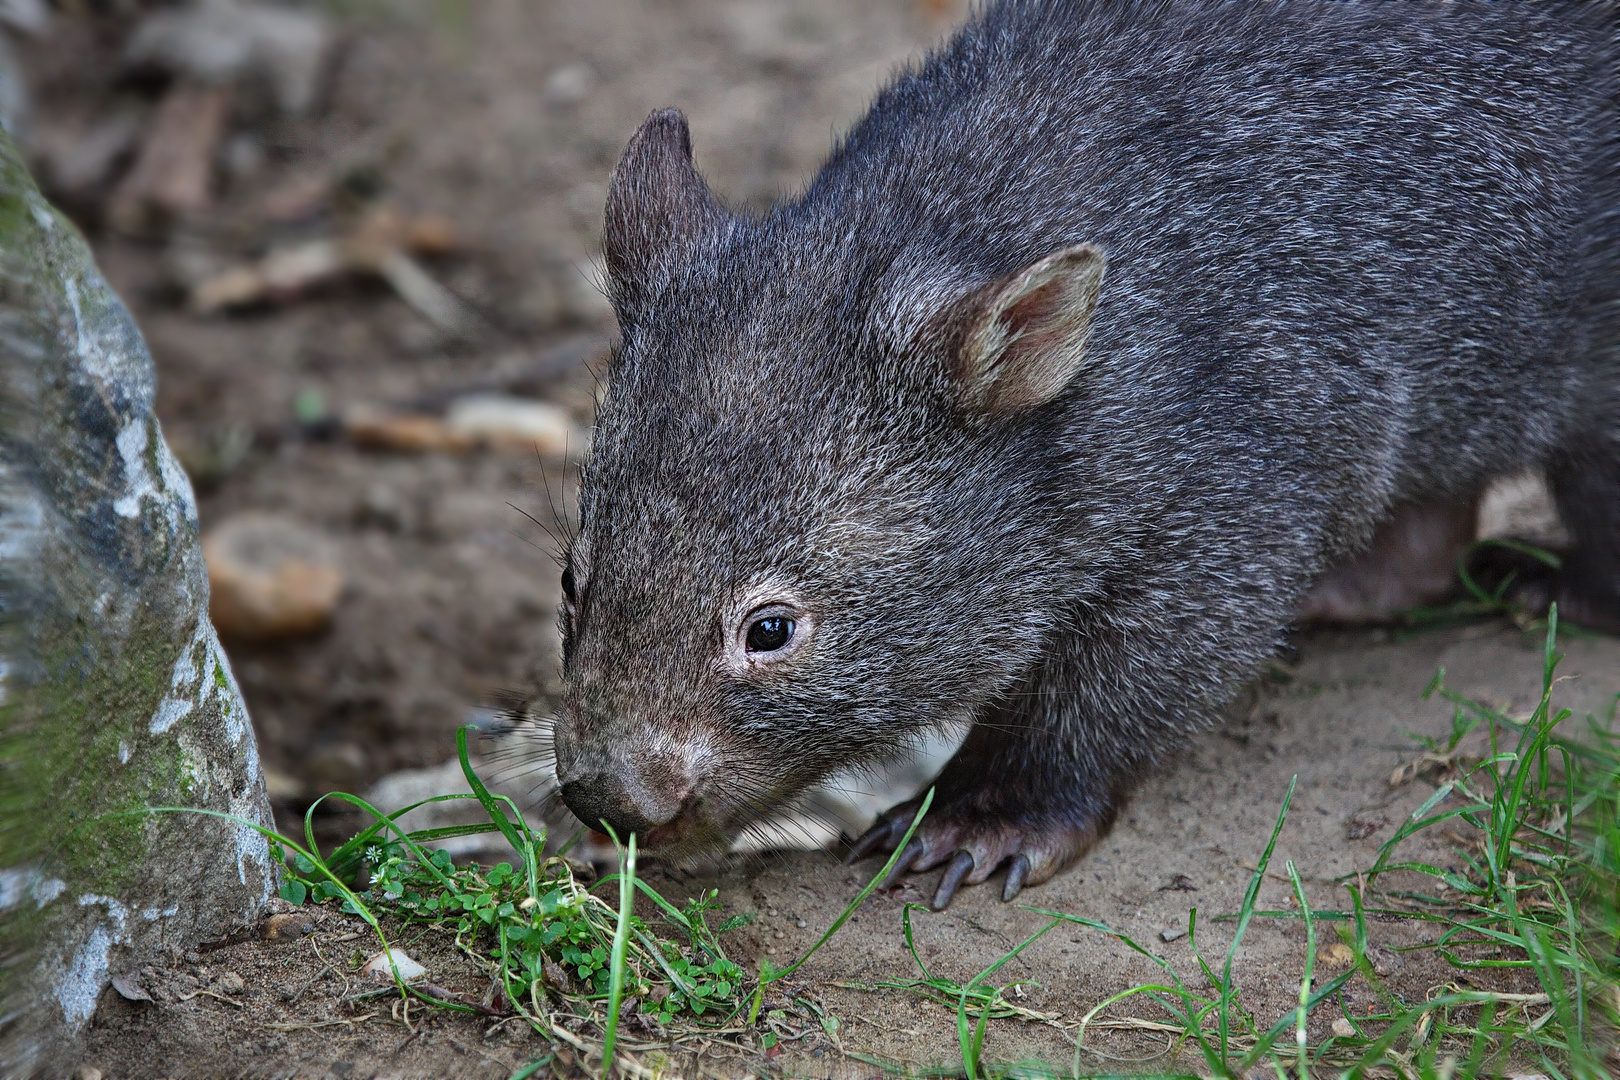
1108, 331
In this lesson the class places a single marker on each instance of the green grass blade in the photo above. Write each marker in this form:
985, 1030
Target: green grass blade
1245, 914
1309, 973
669, 909
911, 944
970, 1043
532, 1067
356, 844
386, 821
776, 974
491, 805
621, 941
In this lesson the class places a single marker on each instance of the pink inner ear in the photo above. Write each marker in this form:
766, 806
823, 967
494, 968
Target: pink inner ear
1035, 320
1024, 336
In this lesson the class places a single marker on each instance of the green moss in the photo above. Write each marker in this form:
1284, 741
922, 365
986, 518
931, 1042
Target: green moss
190, 776
97, 691
74, 770
154, 449
17, 224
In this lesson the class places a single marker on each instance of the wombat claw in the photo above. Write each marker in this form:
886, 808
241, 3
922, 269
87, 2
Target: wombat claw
957, 869
882, 836
971, 853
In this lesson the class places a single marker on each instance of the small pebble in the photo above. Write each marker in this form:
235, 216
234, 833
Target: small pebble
771, 912
570, 84
383, 429
87, 1072
288, 927
231, 983
777, 934
513, 423
1343, 1028
1337, 955
380, 970
270, 577
801, 924
556, 976
1172, 935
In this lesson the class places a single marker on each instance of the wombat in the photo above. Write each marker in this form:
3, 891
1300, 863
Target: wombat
1109, 330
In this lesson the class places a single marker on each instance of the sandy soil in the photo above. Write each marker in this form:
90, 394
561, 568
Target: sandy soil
1341, 721
476, 112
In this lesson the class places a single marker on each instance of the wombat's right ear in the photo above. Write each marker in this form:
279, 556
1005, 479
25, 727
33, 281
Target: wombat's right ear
1022, 339
657, 207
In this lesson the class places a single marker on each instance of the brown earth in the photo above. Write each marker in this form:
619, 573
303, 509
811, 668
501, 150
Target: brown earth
505, 117
1342, 723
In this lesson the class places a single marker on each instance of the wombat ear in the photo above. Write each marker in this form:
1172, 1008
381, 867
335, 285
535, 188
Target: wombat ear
657, 207
1024, 336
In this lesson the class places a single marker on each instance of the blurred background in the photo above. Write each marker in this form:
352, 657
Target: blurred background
362, 238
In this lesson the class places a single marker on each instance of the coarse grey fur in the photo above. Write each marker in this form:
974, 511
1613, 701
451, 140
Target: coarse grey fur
1358, 256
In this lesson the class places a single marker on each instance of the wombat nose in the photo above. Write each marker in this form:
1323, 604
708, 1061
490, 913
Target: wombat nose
602, 798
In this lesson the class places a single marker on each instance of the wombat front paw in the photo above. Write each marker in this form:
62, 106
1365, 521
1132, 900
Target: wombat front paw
974, 848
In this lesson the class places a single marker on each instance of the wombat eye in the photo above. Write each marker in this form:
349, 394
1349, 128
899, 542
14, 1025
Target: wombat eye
770, 633
568, 583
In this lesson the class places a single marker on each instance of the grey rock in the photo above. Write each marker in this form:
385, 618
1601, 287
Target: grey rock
116, 696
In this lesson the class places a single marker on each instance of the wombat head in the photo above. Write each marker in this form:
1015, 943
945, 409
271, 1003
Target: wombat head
813, 523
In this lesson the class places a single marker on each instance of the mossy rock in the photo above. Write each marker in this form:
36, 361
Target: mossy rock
117, 697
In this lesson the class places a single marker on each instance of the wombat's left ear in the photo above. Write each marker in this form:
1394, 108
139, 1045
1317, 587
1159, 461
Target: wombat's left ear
658, 209
1022, 339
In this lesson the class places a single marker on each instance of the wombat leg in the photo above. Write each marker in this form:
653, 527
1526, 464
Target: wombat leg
989, 811
1521, 577
1412, 561
1585, 584
1585, 482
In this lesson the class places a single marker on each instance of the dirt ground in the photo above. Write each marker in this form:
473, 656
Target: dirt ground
1341, 722
504, 117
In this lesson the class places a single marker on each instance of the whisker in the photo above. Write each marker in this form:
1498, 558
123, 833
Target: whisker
557, 554
557, 515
